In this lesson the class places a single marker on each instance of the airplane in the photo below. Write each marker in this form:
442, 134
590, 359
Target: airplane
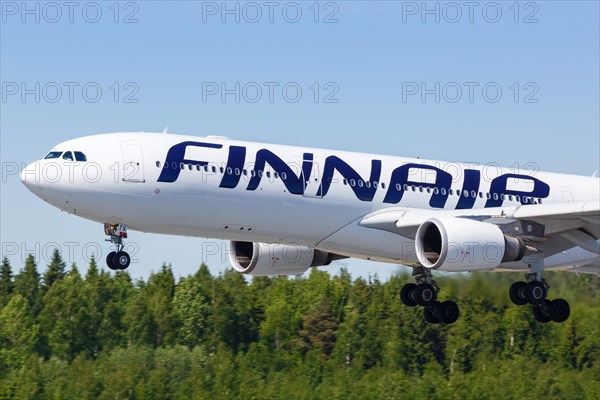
284, 210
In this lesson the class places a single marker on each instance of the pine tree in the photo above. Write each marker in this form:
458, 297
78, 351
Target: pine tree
55, 271
7, 283
27, 284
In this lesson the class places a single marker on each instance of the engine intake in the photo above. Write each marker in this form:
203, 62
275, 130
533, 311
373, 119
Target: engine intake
264, 259
460, 244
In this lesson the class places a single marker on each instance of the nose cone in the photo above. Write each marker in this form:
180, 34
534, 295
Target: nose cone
29, 176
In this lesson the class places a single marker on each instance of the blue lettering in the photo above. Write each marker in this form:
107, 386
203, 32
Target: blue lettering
443, 180
470, 184
176, 156
498, 188
363, 191
235, 165
295, 184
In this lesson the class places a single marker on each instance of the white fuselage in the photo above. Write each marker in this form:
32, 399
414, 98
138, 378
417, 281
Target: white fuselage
221, 188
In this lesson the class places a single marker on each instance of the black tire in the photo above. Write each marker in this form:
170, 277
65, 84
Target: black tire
517, 293
540, 315
406, 294
429, 316
535, 292
559, 310
110, 260
448, 312
122, 260
424, 294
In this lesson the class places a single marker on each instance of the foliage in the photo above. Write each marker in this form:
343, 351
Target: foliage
103, 336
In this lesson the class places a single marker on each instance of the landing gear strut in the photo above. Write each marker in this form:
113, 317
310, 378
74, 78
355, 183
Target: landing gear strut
424, 293
118, 259
534, 291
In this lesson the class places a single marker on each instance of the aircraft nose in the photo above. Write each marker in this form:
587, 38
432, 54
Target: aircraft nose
30, 176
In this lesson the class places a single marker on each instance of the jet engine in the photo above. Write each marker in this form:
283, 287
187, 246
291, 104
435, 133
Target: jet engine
461, 244
276, 259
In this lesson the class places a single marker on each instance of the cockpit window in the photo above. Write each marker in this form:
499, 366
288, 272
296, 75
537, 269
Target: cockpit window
53, 154
68, 156
79, 156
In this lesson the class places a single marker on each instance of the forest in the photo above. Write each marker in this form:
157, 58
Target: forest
69, 334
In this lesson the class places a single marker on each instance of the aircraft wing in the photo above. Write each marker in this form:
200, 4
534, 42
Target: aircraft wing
576, 223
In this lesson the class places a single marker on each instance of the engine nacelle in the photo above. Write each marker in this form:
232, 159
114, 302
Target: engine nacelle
275, 259
460, 244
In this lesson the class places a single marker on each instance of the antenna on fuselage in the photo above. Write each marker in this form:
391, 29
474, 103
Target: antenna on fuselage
166, 129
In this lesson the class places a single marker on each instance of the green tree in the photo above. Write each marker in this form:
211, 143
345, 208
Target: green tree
192, 307
27, 284
19, 333
55, 270
7, 283
65, 317
318, 330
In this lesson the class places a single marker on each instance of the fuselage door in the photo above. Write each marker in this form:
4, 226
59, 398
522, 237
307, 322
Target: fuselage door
133, 163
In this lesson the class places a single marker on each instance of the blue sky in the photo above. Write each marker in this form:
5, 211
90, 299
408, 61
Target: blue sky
361, 68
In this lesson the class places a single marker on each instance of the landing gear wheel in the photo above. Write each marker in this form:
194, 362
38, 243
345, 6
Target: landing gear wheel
424, 294
559, 310
539, 314
406, 294
517, 293
448, 311
535, 292
109, 260
122, 260
429, 316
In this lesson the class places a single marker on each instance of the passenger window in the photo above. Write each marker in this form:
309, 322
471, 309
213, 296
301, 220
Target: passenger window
79, 156
68, 156
53, 154
158, 164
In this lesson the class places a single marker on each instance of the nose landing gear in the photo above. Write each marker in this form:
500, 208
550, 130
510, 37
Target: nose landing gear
119, 259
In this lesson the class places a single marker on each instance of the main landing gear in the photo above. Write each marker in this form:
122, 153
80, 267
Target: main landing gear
534, 292
118, 259
424, 293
